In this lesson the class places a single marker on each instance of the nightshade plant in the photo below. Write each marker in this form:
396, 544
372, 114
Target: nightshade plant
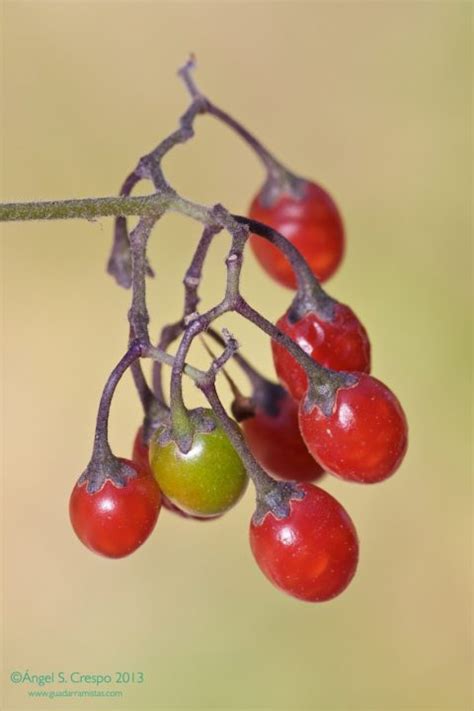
329, 414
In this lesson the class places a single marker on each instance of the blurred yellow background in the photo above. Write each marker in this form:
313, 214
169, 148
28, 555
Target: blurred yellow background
373, 101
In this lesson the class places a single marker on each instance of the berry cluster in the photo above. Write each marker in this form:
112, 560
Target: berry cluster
328, 414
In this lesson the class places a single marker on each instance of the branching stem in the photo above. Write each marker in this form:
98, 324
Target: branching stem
128, 264
271, 164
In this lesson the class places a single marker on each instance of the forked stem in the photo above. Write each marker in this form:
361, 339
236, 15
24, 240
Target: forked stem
128, 263
271, 164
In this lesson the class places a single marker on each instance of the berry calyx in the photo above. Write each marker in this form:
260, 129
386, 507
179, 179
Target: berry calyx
311, 553
272, 432
206, 480
308, 217
337, 341
115, 520
365, 435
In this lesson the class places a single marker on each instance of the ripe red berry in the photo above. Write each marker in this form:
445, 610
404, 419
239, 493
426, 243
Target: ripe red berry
364, 438
114, 521
274, 438
140, 457
311, 222
140, 453
339, 342
312, 553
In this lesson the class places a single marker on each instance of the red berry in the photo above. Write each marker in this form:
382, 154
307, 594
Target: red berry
339, 343
364, 438
114, 521
312, 553
275, 441
174, 509
312, 223
140, 458
140, 453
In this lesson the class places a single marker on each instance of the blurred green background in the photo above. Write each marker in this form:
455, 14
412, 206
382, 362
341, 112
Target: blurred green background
373, 101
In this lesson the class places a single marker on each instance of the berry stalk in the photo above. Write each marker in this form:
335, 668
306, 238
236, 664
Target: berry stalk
272, 495
324, 383
191, 282
101, 441
273, 167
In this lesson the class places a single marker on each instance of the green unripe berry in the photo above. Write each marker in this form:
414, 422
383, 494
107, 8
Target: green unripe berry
208, 479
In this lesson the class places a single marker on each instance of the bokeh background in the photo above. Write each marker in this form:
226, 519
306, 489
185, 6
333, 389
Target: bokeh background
373, 101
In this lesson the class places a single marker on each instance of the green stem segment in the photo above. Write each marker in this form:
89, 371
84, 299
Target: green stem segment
87, 208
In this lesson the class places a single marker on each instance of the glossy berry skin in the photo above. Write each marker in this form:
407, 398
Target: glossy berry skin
140, 457
140, 452
365, 437
276, 443
311, 223
341, 343
206, 481
115, 521
312, 554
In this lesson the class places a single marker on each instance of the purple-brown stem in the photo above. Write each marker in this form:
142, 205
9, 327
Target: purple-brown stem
272, 495
128, 263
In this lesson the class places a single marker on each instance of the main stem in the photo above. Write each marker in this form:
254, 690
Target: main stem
86, 208
138, 314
